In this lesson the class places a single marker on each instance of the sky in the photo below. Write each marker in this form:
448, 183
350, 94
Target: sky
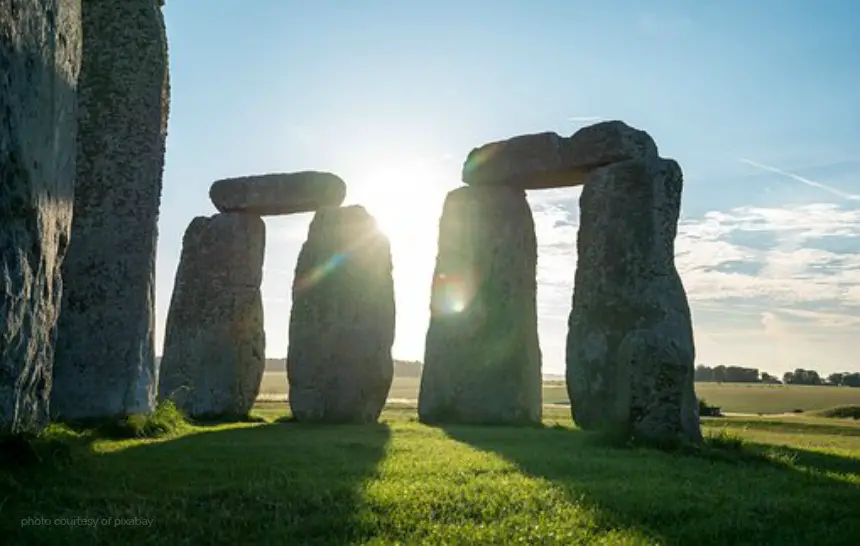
758, 101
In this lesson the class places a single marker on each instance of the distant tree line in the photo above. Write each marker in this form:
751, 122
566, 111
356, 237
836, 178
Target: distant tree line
727, 374
705, 374
844, 379
738, 374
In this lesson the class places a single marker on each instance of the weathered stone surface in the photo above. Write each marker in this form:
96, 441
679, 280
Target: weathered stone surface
609, 142
214, 343
482, 360
339, 364
630, 350
39, 64
273, 194
546, 160
105, 362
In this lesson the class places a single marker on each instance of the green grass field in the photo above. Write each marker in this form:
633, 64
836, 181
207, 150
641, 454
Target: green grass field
732, 398
792, 480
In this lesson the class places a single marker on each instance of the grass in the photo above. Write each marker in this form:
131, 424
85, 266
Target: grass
274, 386
786, 480
757, 398
840, 412
164, 421
730, 398
22, 451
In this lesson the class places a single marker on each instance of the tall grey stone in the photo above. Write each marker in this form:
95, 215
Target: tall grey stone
630, 350
105, 363
214, 341
482, 359
40, 50
339, 364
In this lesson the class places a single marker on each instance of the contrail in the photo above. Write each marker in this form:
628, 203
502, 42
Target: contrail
803, 180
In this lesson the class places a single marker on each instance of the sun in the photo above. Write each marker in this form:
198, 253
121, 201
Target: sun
406, 200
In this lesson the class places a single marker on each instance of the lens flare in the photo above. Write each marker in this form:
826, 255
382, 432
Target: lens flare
477, 157
452, 294
321, 271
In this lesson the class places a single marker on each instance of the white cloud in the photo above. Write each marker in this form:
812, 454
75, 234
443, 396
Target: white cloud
825, 319
790, 271
766, 285
556, 229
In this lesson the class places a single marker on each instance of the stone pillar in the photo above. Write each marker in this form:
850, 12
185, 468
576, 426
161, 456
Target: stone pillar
339, 363
40, 55
482, 360
105, 365
215, 344
630, 351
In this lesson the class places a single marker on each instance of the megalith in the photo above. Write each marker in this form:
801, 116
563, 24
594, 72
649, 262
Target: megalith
40, 55
482, 359
547, 160
105, 360
339, 364
278, 193
214, 344
630, 350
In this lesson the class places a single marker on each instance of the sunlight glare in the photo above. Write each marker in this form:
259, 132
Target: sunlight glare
406, 198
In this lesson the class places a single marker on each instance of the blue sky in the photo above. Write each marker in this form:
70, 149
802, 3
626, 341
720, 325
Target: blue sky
758, 101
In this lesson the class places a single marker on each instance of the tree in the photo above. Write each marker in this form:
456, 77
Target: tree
704, 373
812, 378
727, 374
767, 378
737, 374
836, 379
802, 377
851, 380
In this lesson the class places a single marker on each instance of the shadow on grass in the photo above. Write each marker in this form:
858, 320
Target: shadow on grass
746, 495
251, 484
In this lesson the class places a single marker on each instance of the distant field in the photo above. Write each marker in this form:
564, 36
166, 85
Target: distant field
732, 398
740, 398
275, 387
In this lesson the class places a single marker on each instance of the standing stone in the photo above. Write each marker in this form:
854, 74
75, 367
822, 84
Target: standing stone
214, 343
105, 363
482, 360
40, 51
339, 364
630, 350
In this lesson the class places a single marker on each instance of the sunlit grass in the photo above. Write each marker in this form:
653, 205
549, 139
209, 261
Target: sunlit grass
756, 481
